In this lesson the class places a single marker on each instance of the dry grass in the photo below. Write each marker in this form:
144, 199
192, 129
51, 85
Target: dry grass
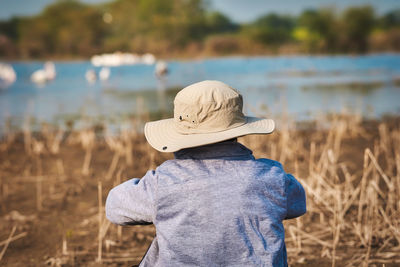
350, 170
353, 197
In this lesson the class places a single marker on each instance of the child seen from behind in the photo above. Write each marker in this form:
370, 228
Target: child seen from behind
214, 204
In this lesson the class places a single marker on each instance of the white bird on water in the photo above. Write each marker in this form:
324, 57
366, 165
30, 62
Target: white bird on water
44, 75
7, 75
91, 76
161, 69
104, 74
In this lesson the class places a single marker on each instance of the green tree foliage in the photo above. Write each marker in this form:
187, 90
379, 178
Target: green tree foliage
9, 35
71, 28
318, 30
10, 28
66, 27
271, 29
357, 24
217, 22
386, 34
144, 24
390, 20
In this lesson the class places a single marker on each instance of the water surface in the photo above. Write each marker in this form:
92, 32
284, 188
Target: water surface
302, 86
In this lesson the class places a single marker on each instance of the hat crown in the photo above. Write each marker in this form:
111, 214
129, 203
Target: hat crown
206, 107
206, 92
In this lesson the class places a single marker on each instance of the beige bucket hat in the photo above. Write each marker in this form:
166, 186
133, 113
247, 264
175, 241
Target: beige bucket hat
204, 113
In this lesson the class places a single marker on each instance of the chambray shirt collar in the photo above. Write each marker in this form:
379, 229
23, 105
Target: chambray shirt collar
227, 149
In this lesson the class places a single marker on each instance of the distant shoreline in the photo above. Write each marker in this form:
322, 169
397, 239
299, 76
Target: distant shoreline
206, 57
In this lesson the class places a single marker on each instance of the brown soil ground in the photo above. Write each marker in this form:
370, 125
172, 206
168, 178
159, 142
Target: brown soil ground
64, 230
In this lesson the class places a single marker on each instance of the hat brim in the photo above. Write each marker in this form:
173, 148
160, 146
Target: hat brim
163, 136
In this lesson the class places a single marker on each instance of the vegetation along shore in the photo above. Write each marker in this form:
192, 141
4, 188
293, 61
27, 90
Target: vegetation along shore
71, 29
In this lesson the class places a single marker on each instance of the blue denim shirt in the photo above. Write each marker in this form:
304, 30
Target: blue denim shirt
213, 205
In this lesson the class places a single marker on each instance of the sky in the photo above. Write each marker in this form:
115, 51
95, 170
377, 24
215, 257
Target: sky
237, 10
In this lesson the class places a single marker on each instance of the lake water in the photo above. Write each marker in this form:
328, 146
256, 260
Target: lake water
302, 86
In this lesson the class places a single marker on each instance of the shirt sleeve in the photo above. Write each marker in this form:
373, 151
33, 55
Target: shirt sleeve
133, 202
296, 198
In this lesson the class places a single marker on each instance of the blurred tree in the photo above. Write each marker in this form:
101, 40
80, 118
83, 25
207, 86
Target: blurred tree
10, 28
219, 23
386, 35
271, 29
124, 25
357, 24
390, 19
318, 30
310, 39
8, 37
143, 25
66, 27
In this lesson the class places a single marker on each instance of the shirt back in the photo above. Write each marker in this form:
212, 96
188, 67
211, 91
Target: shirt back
217, 205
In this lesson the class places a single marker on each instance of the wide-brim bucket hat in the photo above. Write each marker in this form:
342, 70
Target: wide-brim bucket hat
206, 112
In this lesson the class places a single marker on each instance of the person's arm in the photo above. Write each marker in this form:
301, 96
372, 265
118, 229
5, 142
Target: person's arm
296, 198
133, 202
